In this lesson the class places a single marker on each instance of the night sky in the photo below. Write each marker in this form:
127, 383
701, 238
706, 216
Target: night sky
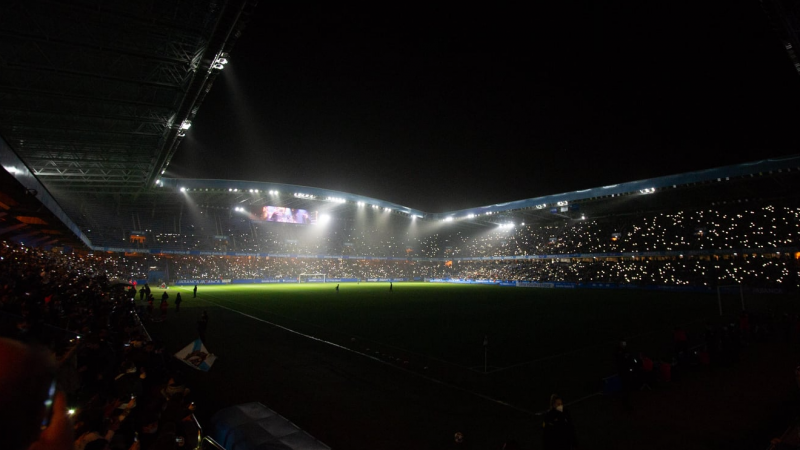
441, 108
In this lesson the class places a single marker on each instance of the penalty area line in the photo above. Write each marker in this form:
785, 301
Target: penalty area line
333, 344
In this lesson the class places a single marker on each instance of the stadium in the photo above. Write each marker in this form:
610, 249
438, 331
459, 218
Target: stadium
341, 320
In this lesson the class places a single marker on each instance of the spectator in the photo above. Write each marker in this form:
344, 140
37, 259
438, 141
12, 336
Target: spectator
558, 430
202, 326
27, 381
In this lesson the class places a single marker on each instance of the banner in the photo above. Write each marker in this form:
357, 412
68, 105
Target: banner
197, 356
534, 284
193, 282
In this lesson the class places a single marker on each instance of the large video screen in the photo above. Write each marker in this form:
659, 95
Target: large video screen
287, 215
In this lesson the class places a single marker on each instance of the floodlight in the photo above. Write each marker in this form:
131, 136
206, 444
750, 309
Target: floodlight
448, 219
186, 124
323, 219
183, 189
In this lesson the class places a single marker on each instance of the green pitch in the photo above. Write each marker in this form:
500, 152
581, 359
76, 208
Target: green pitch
448, 322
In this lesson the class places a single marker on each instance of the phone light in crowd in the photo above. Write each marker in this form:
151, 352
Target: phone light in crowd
71, 412
583, 217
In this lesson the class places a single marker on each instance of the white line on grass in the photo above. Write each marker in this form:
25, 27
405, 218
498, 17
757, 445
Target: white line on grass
314, 338
361, 338
545, 358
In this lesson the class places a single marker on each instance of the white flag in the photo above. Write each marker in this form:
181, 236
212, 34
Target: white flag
197, 356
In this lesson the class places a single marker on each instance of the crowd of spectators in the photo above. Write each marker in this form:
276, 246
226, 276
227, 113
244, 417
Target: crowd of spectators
755, 228
772, 270
743, 243
119, 384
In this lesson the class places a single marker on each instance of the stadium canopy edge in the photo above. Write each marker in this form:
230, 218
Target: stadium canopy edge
291, 190
640, 187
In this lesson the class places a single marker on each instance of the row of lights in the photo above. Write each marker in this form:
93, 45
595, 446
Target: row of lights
302, 195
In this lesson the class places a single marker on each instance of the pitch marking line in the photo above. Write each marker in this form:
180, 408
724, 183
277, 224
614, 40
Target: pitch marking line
333, 344
545, 358
361, 338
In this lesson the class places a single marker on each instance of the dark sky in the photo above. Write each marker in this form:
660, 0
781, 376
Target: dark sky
441, 108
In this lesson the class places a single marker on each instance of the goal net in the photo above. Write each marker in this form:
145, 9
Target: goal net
730, 299
311, 278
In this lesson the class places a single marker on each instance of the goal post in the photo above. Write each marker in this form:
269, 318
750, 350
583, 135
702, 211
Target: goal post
311, 278
730, 288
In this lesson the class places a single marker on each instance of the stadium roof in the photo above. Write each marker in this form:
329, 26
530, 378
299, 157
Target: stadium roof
28, 213
732, 173
96, 95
